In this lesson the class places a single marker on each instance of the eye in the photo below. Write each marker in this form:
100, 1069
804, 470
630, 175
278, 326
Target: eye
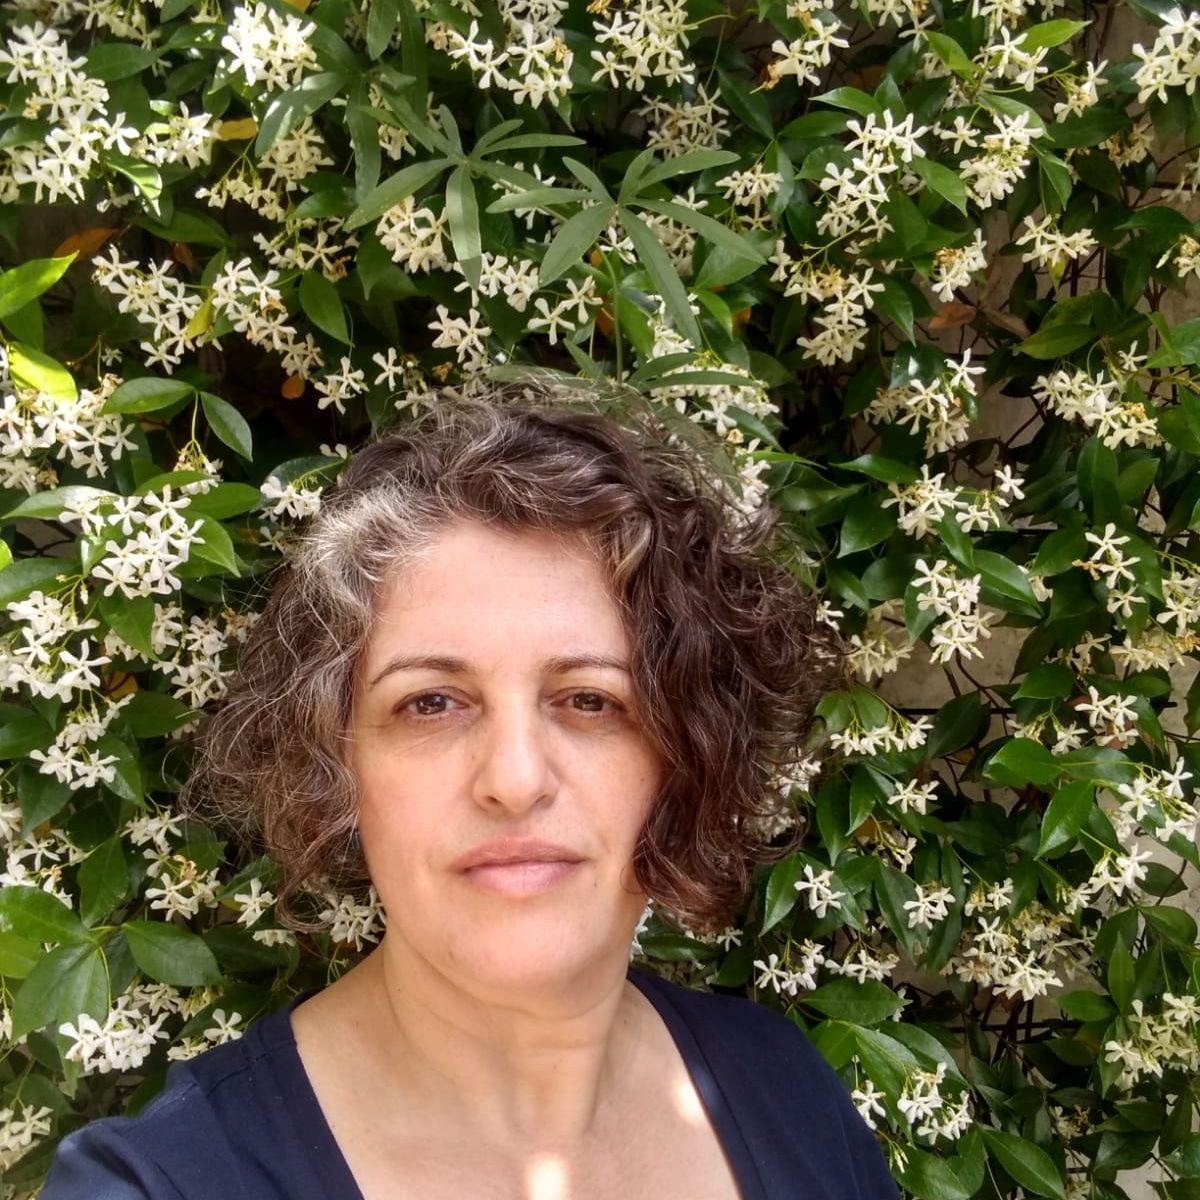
427, 704
592, 703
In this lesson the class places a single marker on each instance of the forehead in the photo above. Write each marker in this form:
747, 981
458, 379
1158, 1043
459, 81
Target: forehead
488, 594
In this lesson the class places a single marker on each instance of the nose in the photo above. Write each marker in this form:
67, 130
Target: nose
513, 767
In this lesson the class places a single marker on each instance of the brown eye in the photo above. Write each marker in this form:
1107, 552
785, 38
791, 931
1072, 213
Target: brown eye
428, 704
590, 702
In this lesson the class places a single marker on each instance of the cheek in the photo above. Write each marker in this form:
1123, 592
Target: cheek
633, 791
397, 816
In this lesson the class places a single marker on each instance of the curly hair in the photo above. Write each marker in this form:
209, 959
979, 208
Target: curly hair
729, 657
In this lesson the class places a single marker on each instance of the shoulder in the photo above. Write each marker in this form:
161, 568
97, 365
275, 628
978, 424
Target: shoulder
793, 1110
187, 1142
733, 1027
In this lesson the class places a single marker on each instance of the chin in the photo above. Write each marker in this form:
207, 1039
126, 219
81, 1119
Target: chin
549, 956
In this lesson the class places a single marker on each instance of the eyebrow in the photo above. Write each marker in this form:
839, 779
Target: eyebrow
558, 665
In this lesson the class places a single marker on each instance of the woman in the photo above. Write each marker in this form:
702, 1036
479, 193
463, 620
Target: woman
527, 669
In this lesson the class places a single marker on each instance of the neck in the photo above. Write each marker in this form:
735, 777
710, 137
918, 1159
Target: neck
528, 1068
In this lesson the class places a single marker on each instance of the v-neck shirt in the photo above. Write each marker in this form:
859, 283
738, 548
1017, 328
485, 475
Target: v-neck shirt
242, 1122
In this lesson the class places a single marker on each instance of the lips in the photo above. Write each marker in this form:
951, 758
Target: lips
518, 866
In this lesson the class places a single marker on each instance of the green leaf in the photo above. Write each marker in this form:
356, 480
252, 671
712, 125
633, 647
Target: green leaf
1004, 577
851, 98
225, 500
781, 893
525, 141
1086, 1006
750, 107
1090, 129
1178, 429
41, 796
18, 956
488, 139
292, 108
69, 981
575, 237
228, 424
215, 546
867, 523
169, 954
19, 579
886, 1061
394, 189
894, 889
653, 371
32, 913
1121, 973
875, 466
412, 47
462, 211
146, 178
151, 714
30, 368
1026, 1162
103, 880
928, 1176
689, 163
1056, 182
896, 304
590, 180
658, 265
1181, 347
47, 505
958, 723
1066, 814
675, 947
814, 126
28, 281
193, 228
1175, 925
835, 1042
713, 231
924, 1043
535, 198
127, 779
867, 789
132, 620
866, 1003
323, 306
1059, 551
1021, 761
942, 181
951, 53
1056, 341
1050, 681
833, 815
1177, 1139
110, 61
382, 18
1050, 33
364, 142
147, 394
21, 732
1184, 1162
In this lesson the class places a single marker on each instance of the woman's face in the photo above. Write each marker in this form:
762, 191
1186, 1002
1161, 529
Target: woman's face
503, 772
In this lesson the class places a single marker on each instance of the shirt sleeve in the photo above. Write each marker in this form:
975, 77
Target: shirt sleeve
97, 1163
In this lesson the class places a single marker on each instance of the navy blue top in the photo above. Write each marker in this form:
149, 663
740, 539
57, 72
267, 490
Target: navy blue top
241, 1122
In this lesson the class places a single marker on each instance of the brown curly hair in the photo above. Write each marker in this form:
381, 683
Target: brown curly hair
729, 657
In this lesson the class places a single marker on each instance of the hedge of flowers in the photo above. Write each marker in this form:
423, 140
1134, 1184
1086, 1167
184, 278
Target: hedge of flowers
905, 257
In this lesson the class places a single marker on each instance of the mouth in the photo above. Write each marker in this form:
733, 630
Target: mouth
518, 868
